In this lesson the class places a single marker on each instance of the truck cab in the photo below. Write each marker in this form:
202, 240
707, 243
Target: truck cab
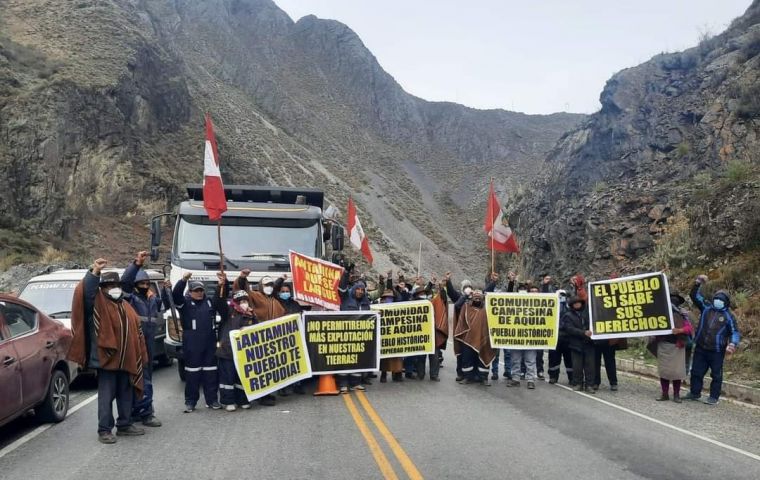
257, 232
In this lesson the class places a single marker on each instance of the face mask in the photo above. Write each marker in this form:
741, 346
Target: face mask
719, 304
467, 291
285, 296
115, 293
268, 290
143, 290
562, 300
243, 305
477, 303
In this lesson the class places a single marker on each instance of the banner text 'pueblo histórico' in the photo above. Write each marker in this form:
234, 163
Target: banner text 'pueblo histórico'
637, 306
315, 281
270, 355
523, 321
406, 329
343, 342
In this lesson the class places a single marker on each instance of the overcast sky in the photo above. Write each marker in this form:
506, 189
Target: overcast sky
537, 56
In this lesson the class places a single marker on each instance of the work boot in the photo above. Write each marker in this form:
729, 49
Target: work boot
129, 431
677, 399
189, 408
513, 383
106, 437
383, 377
230, 408
151, 421
552, 381
691, 396
531, 386
460, 378
592, 391
434, 378
662, 398
494, 376
214, 405
710, 401
540, 375
614, 388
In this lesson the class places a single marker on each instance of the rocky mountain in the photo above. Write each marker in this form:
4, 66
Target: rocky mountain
101, 105
665, 176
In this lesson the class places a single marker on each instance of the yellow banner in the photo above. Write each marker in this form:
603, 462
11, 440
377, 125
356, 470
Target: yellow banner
523, 321
406, 328
271, 355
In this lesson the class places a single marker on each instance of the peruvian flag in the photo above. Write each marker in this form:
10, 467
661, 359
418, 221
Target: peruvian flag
213, 190
501, 238
356, 233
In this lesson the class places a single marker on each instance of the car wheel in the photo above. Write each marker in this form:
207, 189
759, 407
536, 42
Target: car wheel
56, 403
164, 361
181, 369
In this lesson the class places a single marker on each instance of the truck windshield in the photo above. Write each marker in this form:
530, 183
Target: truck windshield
245, 238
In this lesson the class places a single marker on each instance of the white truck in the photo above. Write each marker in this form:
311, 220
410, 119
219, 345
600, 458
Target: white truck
260, 227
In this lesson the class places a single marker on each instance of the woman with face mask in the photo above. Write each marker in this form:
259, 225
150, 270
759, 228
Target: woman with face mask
263, 299
237, 315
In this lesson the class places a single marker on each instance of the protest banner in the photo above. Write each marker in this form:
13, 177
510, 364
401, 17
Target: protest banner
523, 321
343, 342
637, 306
270, 355
315, 281
406, 329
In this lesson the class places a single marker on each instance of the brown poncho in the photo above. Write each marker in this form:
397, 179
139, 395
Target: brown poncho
120, 341
472, 330
264, 307
441, 313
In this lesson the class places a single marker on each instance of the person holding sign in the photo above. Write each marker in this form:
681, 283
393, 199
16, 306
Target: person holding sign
717, 334
575, 324
237, 315
356, 299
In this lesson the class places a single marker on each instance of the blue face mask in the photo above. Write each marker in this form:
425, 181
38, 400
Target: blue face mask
285, 296
719, 304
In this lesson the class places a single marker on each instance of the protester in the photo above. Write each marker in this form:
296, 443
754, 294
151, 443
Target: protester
356, 299
606, 349
420, 292
670, 350
136, 285
107, 337
511, 279
235, 315
472, 333
539, 353
562, 352
459, 298
263, 299
579, 286
717, 335
393, 365
575, 324
441, 315
292, 307
198, 317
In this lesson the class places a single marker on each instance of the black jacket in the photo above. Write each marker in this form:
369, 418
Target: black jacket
575, 324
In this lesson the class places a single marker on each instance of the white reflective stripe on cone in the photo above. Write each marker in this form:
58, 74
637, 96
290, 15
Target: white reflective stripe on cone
192, 369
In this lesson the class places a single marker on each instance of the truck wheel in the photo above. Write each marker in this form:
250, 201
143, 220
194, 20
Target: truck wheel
181, 369
56, 403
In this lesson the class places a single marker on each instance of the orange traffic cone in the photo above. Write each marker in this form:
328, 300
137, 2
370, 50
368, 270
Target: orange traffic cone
327, 385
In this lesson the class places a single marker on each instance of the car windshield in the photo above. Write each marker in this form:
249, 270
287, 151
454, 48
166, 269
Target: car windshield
246, 238
52, 297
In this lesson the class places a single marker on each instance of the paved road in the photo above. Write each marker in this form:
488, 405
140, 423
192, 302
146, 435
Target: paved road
408, 430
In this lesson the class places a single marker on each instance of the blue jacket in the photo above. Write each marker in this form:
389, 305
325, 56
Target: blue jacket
715, 326
351, 303
148, 308
197, 317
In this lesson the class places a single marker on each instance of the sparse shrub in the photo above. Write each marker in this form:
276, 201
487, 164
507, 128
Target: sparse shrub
683, 149
738, 171
600, 187
673, 249
748, 101
752, 47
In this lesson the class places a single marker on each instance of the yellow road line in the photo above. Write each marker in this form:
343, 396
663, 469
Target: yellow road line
401, 455
382, 461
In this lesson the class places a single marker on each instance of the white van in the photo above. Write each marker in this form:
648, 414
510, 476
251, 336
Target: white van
52, 293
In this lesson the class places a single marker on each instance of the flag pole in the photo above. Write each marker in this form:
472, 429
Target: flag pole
490, 215
219, 237
419, 261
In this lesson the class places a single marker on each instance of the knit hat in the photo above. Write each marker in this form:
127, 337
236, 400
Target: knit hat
466, 283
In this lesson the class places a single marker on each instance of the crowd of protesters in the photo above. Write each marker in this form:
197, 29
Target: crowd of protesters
113, 318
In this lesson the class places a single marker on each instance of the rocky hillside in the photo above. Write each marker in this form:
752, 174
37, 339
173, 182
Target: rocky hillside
101, 105
665, 176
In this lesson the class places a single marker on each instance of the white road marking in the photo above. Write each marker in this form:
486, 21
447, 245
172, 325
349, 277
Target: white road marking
665, 424
37, 431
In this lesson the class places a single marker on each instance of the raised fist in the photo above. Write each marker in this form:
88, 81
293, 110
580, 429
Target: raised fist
99, 265
221, 276
447, 276
245, 272
141, 257
702, 279
512, 276
187, 276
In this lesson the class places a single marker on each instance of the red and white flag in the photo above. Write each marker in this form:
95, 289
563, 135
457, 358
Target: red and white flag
500, 235
214, 200
356, 233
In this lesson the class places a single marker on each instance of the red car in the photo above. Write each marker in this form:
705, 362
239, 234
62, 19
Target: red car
34, 373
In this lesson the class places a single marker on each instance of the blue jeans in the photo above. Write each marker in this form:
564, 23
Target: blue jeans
507, 361
702, 361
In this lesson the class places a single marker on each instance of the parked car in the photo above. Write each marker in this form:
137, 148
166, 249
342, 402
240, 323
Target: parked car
34, 373
52, 294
